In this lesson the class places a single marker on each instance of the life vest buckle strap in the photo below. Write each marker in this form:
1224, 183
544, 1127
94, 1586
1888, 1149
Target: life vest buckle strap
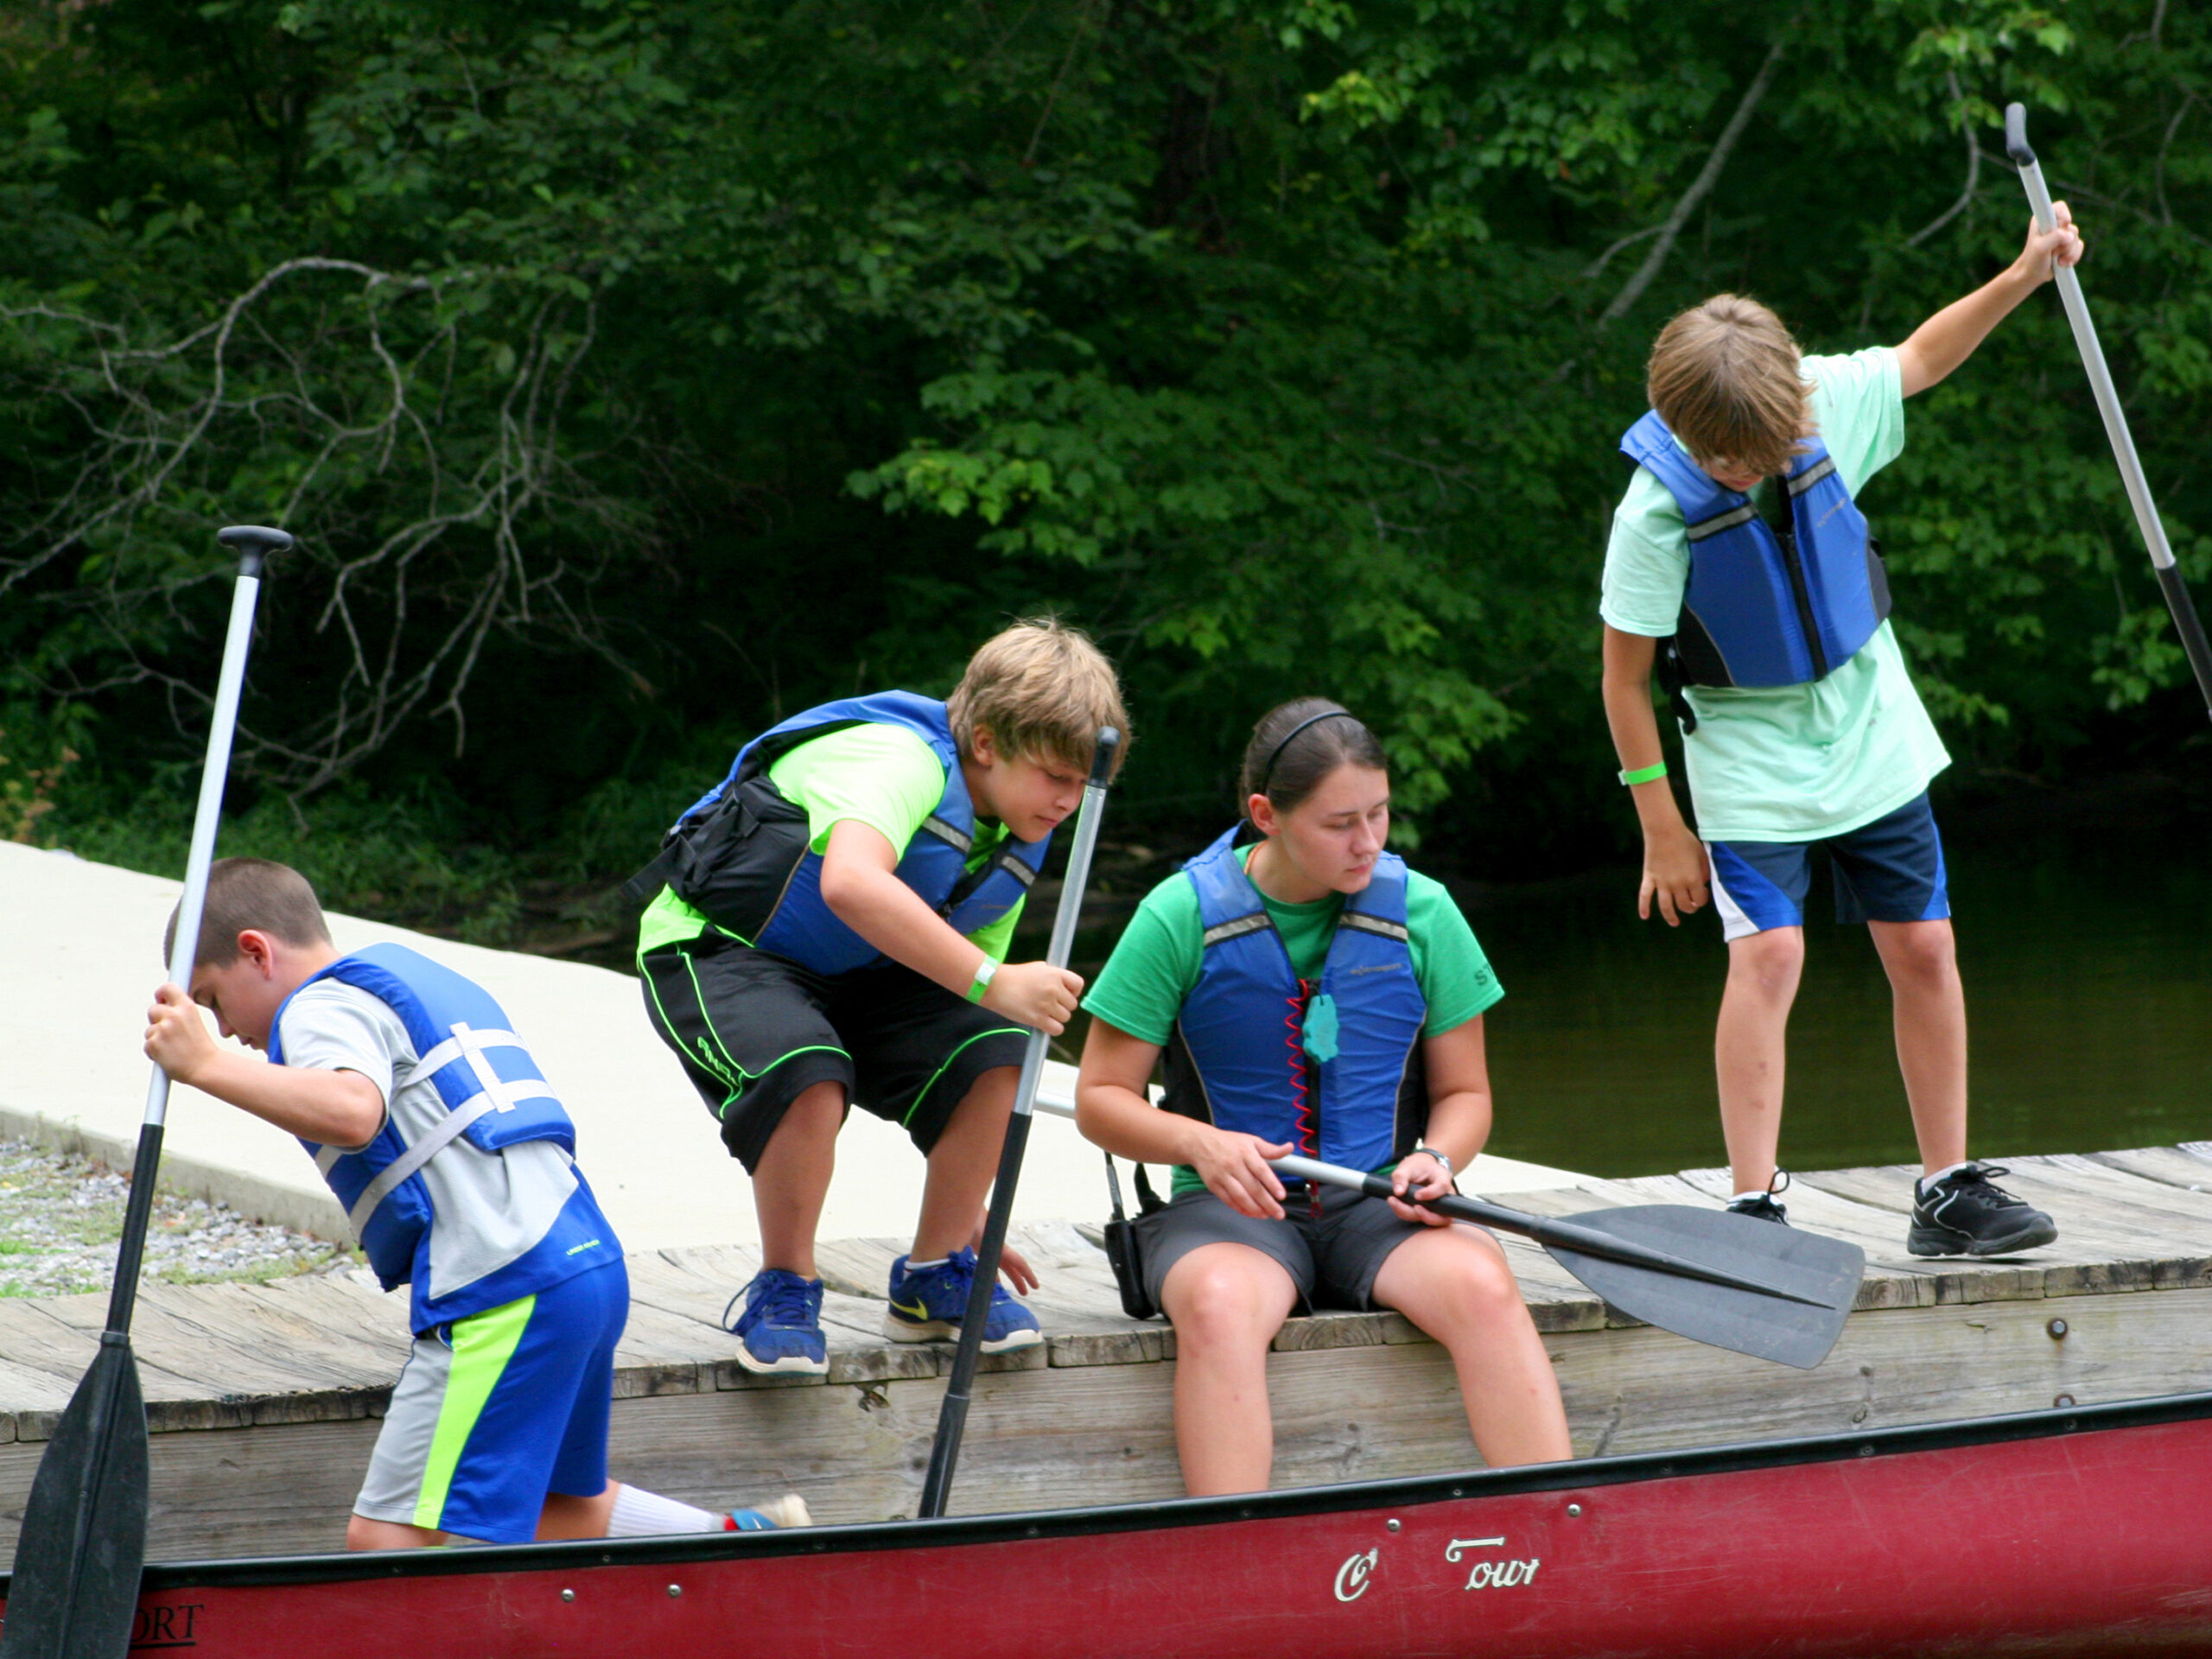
414, 1157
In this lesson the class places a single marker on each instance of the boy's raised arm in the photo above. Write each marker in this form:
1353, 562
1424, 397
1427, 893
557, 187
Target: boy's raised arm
1675, 870
333, 1108
1949, 337
862, 888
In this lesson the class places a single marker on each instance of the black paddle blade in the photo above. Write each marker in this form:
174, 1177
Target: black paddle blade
75, 1589
1813, 1279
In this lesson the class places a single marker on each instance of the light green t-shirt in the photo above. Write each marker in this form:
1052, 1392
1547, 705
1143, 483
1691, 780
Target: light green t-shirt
1156, 964
1788, 762
884, 777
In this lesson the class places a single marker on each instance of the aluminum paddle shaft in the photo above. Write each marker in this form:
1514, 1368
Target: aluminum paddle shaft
2123, 444
952, 1414
83, 1544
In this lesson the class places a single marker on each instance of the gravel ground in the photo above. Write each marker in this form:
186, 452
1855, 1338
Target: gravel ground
61, 1214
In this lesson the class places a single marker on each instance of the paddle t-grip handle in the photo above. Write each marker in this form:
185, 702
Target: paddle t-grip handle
2016, 136
254, 544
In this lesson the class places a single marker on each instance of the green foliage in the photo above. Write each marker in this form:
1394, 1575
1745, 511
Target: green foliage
635, 371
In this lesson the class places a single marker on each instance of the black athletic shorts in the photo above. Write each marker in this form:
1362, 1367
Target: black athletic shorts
1332, 1258
755, 1031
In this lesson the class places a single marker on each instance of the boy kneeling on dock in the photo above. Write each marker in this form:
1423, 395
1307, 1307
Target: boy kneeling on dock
453, 1160
833, 931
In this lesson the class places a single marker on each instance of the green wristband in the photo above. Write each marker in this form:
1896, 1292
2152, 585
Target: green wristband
1645, 774
985, 971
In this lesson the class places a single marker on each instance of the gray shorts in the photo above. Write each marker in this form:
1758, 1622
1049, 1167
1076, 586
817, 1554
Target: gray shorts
1332, 1258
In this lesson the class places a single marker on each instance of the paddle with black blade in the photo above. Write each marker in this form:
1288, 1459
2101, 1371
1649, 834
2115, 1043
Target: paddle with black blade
1775, 1292
2186, 622
953, 1416
75, 1588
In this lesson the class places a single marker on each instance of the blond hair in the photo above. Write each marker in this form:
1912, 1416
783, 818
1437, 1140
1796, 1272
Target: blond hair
1724, 377
1042, 690
252, 892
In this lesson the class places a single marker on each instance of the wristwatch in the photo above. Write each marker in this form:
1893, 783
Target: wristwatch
1450, 1173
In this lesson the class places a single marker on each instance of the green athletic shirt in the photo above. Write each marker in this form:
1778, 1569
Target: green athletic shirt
884, 777
1788, 762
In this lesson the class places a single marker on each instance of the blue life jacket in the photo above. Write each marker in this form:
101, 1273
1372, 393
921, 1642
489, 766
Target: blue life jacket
742, 854
492, 1089
1333, 1066
1763, 609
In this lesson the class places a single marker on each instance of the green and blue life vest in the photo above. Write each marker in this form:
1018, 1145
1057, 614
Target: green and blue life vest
1330, 1065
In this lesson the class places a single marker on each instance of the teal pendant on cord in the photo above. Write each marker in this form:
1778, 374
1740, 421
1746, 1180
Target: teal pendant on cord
1321, 1029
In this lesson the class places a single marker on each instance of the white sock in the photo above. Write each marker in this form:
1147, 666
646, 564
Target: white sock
640, 1514
1927, 1181
1756, 1192
923, 1266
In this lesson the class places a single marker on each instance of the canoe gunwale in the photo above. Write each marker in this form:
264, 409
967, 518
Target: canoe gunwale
1016, 1526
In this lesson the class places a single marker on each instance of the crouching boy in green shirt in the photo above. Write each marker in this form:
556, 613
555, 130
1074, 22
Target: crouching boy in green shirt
833, 931
1801, 726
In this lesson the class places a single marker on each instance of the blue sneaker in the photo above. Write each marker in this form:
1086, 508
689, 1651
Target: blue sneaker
781, 1331
928, 1307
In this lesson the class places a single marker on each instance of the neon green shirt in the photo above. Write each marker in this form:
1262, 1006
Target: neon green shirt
884, 777
1788, 762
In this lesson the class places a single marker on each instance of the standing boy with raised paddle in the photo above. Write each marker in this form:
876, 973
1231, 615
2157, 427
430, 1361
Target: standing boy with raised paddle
454, 1161
1801, 726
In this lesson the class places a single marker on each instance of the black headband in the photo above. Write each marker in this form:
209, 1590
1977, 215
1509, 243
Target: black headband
1267, 774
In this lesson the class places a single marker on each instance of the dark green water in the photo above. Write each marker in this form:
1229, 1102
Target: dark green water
2089, 980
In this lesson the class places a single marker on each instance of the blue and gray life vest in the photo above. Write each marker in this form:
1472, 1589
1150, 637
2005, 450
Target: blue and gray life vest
1332, 1065
492, 1089
742, 854
1763, 608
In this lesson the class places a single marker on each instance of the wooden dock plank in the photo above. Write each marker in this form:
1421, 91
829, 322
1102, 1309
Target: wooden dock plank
2175, 1166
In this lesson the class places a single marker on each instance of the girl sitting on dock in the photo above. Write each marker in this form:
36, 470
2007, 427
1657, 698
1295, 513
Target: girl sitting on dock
1311, 995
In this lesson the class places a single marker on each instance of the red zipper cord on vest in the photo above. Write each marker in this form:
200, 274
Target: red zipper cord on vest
1302, 1090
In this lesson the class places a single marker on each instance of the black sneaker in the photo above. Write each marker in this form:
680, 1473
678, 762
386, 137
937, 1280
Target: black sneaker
1968, 1214
1764, 1207
1760, 1206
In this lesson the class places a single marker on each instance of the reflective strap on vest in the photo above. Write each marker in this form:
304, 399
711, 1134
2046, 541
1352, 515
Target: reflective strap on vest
1236, 927
1812, 475
1014, 866
1727, 520
1366, 924
413, 1158
494, 1094
952, 835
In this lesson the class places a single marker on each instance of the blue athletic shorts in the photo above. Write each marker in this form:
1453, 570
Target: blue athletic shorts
496, 1410
1890, 870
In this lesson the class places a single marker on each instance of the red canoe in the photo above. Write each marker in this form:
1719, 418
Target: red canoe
2080, 1531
